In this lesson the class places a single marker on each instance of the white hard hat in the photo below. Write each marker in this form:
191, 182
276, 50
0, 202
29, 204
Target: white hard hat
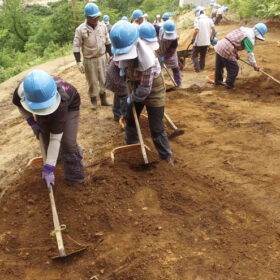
145, 15
158, 16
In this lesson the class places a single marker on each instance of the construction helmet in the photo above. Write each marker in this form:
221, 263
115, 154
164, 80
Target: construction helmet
137, 14
123, 36
212, 2
165, 16
261, 30
40, 93
157, 16
226, 9
169, 27
124, 18
197, 10
106, 18
92, 10
147, 32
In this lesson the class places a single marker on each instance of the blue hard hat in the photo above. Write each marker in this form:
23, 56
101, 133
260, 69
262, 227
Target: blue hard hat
40, 90
169, 27
165, 16
147, 32
214, 41
92, 10
123, 36
124, 18
212, 2
197, 10
106, 18
137, 14
262, 29
226, 9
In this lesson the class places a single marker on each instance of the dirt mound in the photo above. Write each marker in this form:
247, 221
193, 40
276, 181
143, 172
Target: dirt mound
214, 215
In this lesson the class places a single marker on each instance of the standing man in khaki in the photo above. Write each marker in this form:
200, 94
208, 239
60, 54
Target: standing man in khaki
92, 36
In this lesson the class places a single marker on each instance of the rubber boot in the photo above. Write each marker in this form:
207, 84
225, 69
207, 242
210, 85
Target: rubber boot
103, 100
93, 103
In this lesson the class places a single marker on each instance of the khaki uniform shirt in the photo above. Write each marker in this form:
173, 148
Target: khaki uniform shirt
92, 41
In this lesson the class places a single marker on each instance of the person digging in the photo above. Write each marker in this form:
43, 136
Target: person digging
56, 105
145, 83
227, 52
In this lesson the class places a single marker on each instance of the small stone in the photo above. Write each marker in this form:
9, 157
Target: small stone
102, 271
159, 227
144, 208
99, 234
47, 262
30, 201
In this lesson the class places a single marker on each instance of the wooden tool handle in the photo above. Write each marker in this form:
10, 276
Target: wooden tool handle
57, 229
140, 135
175, 84
170, 122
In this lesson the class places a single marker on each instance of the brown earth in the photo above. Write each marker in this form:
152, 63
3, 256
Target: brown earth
214, 215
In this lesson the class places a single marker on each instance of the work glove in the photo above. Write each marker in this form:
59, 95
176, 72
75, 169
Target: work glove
35, 127
48, 175
257, 68
128, 100
162, 59
192, 41
81, 67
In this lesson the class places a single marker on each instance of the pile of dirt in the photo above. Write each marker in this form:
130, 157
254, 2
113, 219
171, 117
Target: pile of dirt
214, 215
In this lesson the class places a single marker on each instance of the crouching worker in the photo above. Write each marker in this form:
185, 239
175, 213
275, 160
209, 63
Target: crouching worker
227, 52
145, 85
115, 81
55, 104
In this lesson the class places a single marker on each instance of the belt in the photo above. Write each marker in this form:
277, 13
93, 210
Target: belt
95, 56
230, 42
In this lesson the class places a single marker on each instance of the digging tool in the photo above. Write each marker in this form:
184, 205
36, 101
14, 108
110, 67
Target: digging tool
177, 131
57, 227
271, 77
170, 76
143, 150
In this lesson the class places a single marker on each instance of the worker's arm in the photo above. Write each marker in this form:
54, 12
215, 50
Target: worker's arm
194, 35
249, 47
77, 43
212, 33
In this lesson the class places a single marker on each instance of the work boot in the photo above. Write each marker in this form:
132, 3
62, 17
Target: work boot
93, 103
103, 100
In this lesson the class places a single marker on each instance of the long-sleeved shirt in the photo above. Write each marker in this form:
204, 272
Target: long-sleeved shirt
91, 40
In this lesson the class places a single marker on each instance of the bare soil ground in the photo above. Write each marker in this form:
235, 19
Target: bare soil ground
214, 215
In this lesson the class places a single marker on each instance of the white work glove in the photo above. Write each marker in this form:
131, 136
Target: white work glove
81, 67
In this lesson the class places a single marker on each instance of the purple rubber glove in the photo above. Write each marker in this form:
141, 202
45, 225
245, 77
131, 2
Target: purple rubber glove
257, 68
48, 175
35, 127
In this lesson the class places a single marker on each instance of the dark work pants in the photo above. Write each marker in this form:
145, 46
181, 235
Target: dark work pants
218, 19
119, 106
70, 153
199, 64
158, 133
232, 70
177, 75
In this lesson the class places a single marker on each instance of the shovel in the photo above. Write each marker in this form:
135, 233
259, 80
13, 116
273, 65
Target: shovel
177, 132
133, 146
271, 77
57, 227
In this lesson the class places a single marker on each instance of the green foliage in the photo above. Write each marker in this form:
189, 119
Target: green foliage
187, 23
186, 7
256, 8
